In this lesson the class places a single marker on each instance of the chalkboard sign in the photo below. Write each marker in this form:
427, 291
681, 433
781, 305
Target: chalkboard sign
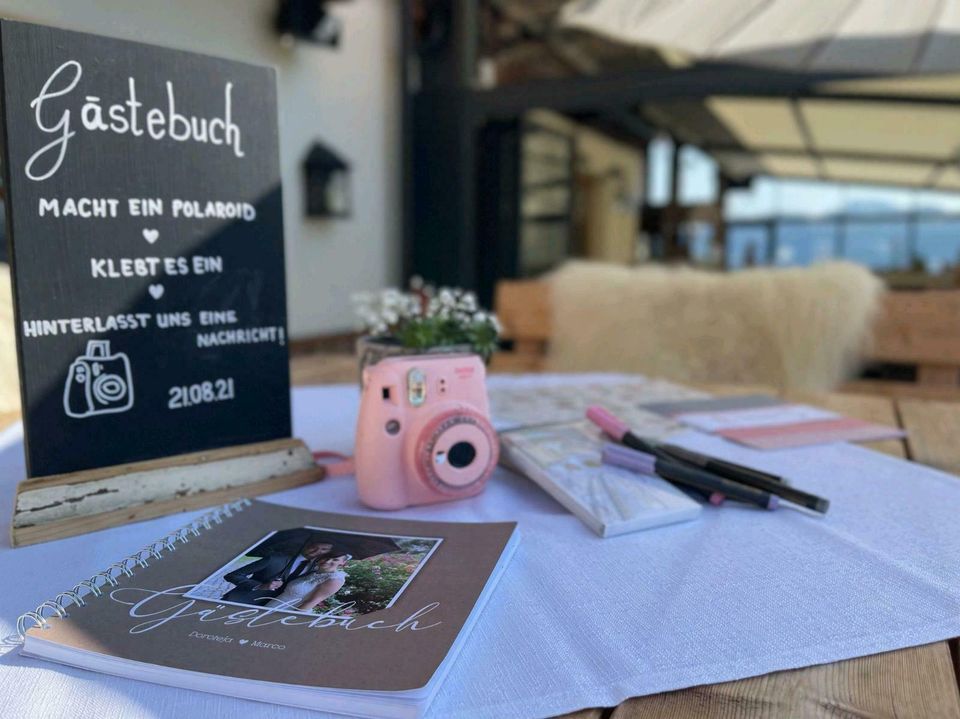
146, 241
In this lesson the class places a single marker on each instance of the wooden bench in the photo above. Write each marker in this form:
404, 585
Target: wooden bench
523, 308
920, 328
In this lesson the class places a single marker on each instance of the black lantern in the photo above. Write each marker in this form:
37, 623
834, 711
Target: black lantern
308, 20
328, 183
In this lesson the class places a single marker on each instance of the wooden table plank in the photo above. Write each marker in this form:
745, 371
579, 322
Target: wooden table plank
900, 390
914, 682
7, 419
323, 368
933, 432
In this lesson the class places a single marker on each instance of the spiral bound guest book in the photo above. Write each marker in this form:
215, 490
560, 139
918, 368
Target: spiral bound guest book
341, 613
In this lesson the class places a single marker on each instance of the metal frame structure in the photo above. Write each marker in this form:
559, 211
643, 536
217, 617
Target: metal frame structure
454, 234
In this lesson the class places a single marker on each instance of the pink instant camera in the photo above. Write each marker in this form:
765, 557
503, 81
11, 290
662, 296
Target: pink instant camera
424, 434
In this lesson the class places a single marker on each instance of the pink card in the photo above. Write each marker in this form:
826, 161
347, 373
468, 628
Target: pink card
787, 425
800, 434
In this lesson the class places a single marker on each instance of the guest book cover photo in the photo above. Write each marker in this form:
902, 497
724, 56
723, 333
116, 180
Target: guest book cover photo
337, 612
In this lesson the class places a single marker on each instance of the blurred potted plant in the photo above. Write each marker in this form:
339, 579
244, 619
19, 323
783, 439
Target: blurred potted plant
422, 320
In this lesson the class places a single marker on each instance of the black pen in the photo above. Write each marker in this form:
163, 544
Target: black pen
685, 475
773, 484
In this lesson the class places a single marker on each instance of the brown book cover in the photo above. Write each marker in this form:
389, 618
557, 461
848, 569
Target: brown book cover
329, 611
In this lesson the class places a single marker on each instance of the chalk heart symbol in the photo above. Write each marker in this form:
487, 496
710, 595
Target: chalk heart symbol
156, 291
151, 236
243, 641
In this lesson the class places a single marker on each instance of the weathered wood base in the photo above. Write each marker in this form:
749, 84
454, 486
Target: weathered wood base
63, 505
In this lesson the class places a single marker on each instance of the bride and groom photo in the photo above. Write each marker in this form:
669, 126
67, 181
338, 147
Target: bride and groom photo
315, 570
298, 582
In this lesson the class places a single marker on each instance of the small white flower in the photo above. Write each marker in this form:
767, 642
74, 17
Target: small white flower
416, 282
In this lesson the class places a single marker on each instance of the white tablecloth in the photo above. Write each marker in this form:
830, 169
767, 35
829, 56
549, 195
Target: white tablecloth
581, 621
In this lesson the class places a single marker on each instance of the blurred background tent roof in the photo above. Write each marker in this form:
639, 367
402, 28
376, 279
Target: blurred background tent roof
896, 66
874, 36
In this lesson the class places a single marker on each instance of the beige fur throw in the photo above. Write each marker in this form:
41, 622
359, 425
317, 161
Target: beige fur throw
798, 328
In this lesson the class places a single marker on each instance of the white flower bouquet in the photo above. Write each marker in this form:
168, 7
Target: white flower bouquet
425, 318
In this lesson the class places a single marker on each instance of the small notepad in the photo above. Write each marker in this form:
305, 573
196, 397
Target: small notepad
564, 460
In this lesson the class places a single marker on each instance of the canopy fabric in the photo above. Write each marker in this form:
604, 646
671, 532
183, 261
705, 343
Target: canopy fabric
898, 123
882, 37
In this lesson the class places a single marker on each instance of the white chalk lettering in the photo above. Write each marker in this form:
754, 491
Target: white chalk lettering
62, 127
195, 209
124, 118
85, 207
85, 325
241, 336
124, 267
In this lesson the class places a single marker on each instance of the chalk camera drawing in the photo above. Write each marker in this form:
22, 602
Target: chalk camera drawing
98, 382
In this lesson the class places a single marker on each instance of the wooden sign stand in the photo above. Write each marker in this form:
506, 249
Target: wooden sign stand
63, 505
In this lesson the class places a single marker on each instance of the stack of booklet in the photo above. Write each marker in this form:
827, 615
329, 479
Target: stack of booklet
333, 612
564, 459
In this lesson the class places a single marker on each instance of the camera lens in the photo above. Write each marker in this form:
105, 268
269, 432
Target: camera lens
455, 451
461, 454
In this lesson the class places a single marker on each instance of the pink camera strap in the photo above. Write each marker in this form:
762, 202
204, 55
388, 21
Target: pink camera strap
336, 464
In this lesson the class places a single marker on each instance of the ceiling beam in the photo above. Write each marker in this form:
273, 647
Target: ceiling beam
625, 90
756, 150
621, 125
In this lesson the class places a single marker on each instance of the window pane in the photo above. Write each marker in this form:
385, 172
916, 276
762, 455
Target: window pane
938, 244
698, 177
746, 245
659, 152
880, 245
697, 237
803, 243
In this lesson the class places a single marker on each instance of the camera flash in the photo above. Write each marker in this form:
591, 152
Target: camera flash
416, 387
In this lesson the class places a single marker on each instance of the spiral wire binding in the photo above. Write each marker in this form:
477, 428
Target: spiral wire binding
93, 586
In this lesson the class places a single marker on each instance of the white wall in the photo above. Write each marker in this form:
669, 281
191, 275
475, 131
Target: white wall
347, 97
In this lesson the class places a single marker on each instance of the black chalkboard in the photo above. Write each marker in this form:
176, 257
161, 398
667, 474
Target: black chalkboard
146, 241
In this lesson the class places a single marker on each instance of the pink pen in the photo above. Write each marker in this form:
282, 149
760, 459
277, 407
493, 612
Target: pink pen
641, 458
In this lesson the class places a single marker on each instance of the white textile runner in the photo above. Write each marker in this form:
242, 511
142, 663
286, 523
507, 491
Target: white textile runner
579, 621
